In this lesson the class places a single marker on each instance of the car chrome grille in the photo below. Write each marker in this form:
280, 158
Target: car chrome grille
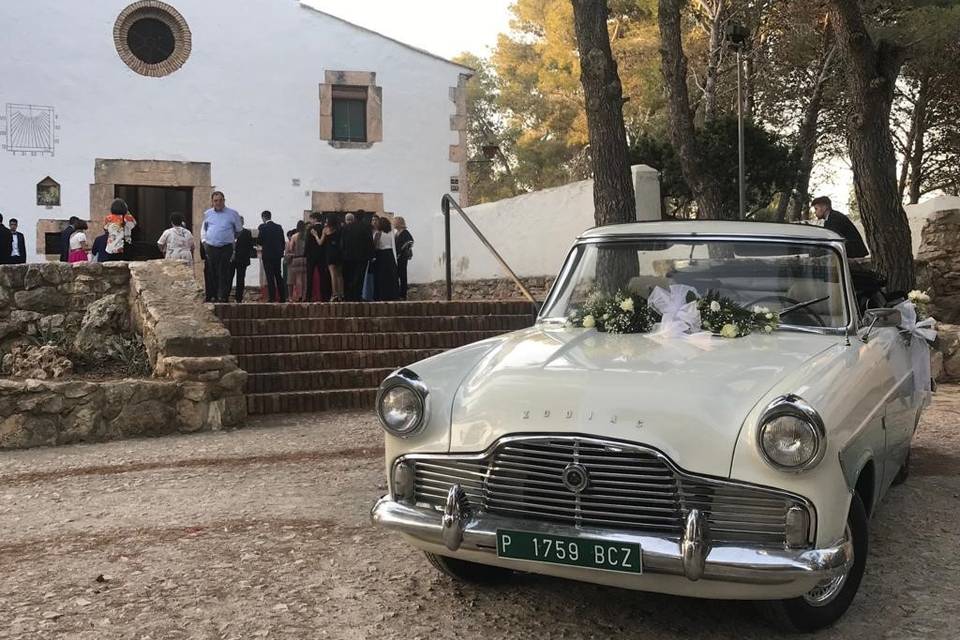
631, 487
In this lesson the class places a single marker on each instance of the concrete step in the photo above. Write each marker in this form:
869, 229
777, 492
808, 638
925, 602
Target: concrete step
371, 309
311, 401
327, 380
318, 360
388, 324
277, 344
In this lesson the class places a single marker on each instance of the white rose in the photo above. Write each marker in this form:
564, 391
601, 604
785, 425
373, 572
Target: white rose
729, 331
714, 306
915, 294
768, 329
757, 309
627, 305
589, 322
769, 316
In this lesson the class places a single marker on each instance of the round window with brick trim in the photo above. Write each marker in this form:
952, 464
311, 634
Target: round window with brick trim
152, 38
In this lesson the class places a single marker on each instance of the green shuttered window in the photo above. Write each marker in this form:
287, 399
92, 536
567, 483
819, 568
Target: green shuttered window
349, 119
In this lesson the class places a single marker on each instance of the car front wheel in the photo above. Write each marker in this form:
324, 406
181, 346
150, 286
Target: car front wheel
464, 571
828, 601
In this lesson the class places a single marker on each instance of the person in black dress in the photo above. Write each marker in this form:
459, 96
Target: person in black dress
386, 280
316, 260
404, 244
332, 243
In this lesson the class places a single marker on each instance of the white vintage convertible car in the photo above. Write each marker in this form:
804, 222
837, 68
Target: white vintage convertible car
699, 465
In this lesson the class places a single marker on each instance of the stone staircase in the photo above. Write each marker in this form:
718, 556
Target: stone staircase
322, 356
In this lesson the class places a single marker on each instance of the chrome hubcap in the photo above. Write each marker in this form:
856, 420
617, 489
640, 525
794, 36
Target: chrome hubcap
826, 591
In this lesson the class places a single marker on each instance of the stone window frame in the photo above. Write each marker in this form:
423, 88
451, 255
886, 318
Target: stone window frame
350, 82
168, 15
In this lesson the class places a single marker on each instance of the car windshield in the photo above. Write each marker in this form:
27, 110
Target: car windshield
802, 282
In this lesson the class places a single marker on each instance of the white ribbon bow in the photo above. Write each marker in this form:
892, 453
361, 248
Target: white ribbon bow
679, 316
920, 334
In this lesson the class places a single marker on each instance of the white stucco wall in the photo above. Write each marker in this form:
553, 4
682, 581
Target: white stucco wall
917, 215
533, 232
247, 101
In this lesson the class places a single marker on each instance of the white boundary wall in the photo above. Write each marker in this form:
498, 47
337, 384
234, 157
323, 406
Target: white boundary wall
917, 215
533, 232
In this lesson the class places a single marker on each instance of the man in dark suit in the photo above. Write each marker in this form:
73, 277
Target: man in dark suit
6, 242
839, 223
357, 243
243, 251
18, 244
272, 243
65, 238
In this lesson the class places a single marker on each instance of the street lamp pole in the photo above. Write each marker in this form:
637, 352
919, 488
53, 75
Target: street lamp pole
737, 36
743, 153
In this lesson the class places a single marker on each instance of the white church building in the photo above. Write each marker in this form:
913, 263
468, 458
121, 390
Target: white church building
280, 106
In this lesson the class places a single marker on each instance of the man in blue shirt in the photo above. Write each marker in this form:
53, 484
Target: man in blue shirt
220, 228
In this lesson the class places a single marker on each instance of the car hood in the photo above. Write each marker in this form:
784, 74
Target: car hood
687, 397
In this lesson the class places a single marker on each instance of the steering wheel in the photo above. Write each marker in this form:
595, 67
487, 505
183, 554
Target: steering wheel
789, 302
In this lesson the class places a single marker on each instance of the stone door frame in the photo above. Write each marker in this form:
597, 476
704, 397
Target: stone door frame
344, 201
108, 173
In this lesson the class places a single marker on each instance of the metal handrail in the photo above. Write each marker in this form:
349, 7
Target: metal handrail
445, 206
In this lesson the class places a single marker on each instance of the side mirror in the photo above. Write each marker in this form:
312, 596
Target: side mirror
880, 319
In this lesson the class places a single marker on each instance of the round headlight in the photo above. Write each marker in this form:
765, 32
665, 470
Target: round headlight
401, 410
791, 435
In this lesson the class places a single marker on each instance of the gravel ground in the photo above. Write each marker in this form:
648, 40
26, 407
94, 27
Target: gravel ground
264, 533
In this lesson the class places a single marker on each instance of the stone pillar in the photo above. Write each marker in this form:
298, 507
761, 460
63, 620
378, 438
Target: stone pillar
459, 151
646, 185
938, 265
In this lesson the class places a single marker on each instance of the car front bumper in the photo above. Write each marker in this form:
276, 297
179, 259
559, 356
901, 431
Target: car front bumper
689, 566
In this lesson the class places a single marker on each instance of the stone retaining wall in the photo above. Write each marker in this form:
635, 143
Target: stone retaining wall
41, 299
489, 289
197, 384
938, 265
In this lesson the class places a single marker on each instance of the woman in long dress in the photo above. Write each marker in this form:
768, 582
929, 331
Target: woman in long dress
297, 274
386, 279
177, 241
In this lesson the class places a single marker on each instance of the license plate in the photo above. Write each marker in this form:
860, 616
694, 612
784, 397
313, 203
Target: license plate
577, 552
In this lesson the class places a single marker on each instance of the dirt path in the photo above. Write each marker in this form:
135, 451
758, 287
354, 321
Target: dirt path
263, 533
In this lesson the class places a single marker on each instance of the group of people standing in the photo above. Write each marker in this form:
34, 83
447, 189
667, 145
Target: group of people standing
76, 244
363, 258
13, 248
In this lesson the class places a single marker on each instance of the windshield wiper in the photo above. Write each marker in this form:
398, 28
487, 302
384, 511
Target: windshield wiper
553, 322
802, 305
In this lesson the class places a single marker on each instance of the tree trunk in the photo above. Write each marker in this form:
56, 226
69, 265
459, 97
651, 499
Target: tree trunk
614, 199
871, 71
682, 132
905, 168
917, 150
807, 135
713, 63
